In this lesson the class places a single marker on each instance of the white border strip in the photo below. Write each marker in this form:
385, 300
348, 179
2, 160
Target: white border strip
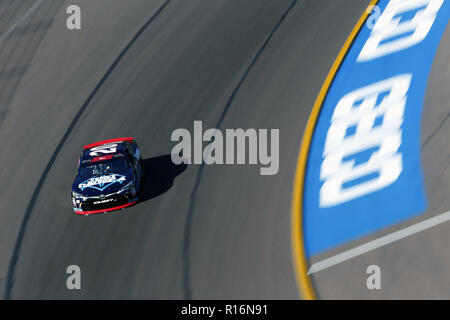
377, 243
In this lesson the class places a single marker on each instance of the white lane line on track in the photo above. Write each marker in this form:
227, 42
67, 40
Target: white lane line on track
20, 20
377, 243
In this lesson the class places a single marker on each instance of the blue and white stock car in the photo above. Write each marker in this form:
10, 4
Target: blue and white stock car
109, 176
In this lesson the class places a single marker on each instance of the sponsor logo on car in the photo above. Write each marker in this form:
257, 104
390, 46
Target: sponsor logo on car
102, 182
104, 201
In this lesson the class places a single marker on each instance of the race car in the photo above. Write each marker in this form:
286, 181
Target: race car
109, 176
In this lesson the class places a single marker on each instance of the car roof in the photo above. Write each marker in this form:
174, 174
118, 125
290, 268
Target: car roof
110, 150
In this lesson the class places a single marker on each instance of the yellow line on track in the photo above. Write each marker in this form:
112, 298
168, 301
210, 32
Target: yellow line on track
298, 249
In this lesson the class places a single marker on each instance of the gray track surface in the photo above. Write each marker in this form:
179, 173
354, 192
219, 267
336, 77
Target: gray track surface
144, 68
207, 232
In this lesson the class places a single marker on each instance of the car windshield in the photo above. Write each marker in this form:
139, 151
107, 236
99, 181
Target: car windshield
111, 166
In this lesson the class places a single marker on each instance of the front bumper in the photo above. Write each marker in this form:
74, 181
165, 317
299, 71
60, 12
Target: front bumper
80, 212
95, 205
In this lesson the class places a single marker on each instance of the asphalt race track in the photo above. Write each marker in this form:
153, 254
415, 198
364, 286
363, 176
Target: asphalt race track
144, 68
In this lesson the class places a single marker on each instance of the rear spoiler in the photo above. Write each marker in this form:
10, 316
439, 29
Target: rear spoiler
95, 144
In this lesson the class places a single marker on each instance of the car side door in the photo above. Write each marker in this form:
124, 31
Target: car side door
132, 152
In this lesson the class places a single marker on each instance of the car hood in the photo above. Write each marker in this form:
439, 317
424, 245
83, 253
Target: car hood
101, 184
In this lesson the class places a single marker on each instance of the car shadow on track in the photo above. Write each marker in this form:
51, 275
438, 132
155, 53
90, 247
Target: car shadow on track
159, 174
